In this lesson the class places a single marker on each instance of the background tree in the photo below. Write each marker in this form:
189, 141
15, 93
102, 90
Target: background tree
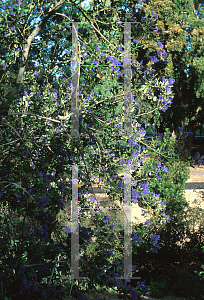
178, 24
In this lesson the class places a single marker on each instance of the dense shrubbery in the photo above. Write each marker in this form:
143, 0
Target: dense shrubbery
36, 178
179, 246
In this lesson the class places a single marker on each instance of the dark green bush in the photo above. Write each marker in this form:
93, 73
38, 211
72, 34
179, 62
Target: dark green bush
169, 184
179, 282
164, 275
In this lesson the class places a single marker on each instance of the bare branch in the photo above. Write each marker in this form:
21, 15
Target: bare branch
52, 11
194, 10
29, 40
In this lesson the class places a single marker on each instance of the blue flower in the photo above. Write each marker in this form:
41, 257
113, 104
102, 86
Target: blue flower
136, 238
106, 219
92, 199
118, 21
121, 184
171, 81
22, 268
115, 62
187, 133
134, 195
197, 155
109, 253
60, 202
97, 49
85, 233
67, 229
141, 284
160, 44
165, 108
144, 19
152, 13
79, 295
168, 217
165, 169
45, 294
155, 237
108, 277
147, 223
60, 186
127, 286
135, 41
35, 288
40, 175
26, 283
167, 88
158, 177
145, 188
95, 62
84, 55
43, 201
116, 283
113, 225
9, 215
153, 59
155, 248
134, 293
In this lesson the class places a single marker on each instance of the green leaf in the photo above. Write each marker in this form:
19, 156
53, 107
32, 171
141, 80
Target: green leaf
108, 3
24, 10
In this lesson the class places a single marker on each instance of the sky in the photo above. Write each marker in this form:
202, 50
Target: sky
86, 2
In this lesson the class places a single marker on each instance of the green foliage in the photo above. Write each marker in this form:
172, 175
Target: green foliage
158, 288
169, 182
175, 20
179, 282
38, 154
178, 242
40, 159
200, 273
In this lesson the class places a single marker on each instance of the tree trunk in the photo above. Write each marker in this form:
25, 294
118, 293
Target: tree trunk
187, 145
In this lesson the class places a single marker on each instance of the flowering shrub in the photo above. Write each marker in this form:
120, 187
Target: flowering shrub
36, 172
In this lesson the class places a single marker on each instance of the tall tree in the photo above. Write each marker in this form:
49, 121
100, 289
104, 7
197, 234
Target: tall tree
178, 23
